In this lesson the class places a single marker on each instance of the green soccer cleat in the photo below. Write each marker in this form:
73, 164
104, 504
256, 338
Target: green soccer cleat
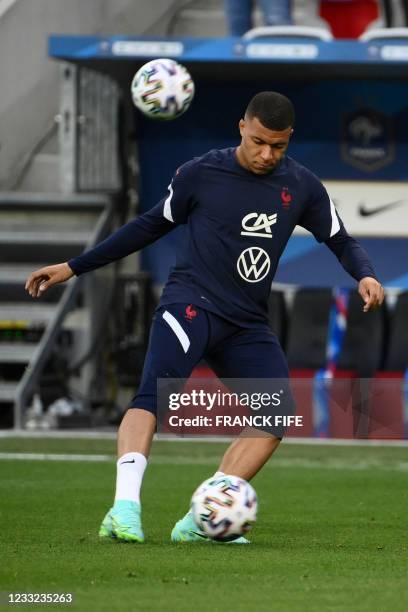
105, 530
123, 522
186, 530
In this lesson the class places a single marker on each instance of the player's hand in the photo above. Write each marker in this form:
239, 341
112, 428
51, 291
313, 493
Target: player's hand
44, 278
372, 293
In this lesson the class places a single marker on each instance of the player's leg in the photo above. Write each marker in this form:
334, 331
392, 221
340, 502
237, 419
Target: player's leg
176, 345
123, 521
252, 355
248, 454
249, 354
136, 432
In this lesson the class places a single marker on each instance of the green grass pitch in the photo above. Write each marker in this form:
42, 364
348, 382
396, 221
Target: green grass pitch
331, 531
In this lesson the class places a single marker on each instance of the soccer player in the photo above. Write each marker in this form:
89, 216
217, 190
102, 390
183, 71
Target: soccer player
239, 207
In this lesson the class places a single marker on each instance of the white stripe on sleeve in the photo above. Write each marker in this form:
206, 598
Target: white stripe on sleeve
167, 207
335, 221
178, 330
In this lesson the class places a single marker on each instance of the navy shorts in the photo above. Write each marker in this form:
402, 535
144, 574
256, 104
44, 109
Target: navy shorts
182, 335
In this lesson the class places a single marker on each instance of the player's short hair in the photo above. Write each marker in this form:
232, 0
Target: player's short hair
274, 110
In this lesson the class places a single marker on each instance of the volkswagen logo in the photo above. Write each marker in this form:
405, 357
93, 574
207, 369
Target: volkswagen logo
253, 264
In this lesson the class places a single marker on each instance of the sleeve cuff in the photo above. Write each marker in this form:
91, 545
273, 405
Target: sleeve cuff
73, 264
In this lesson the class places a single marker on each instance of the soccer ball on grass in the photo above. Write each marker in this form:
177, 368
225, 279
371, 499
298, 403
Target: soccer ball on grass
224, 507
162, 89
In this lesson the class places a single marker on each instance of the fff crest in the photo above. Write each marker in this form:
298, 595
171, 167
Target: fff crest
367, 139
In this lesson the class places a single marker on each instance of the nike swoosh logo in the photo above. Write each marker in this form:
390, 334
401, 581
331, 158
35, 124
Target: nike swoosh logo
200, 535
133, 461
368, 212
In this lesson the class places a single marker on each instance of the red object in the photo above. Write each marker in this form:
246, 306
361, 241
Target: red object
387, 407
286, 197
302, 389
349, 18
190, 313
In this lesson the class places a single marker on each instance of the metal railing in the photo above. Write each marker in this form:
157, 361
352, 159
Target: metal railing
44, 349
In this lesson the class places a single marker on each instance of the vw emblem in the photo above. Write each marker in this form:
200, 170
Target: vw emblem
253, 264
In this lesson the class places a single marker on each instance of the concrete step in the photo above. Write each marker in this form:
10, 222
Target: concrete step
56, 220
52, 221
54, 202
17, 273
52, 236
36, 314
44, 252
8, 391
13, 352
30, 313
12, 281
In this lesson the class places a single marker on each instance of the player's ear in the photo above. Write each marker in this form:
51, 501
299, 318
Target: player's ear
241, 126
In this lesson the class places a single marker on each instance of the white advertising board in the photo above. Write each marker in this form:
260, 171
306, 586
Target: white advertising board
370, 208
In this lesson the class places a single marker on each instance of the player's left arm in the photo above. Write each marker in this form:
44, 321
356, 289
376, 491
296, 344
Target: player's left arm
322, 219
356, 262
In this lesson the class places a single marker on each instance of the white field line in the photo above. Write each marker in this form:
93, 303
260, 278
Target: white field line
298, 463
55, 457
111, 435
63, 434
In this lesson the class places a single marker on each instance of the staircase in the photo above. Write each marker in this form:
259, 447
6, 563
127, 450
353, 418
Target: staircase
37, 230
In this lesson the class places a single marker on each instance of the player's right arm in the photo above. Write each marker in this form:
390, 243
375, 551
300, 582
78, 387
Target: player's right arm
131, 237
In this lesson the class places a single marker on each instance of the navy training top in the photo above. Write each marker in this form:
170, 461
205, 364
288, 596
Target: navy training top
236, 226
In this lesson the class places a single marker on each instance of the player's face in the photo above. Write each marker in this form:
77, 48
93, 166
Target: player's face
261, 149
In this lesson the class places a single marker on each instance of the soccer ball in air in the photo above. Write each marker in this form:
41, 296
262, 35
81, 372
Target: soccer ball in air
224, 507
162, 89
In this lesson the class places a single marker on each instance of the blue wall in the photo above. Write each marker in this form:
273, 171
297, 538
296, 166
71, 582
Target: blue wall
322, 109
